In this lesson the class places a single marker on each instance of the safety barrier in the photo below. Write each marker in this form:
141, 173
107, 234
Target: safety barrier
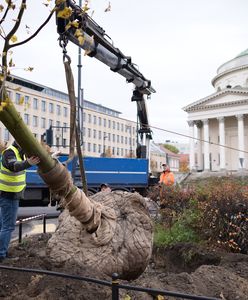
115, 284
28, 219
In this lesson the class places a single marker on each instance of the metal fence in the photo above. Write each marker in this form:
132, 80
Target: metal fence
114, 285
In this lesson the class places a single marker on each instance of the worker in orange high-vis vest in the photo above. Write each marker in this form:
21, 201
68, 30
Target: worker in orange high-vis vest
167, 177
166, 180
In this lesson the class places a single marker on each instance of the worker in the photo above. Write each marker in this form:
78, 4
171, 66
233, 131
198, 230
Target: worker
105, 187
12, 185
166, 180
167, 177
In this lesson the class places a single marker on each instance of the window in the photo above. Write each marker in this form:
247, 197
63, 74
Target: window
122, 152
43, 105
58, 125
113, 124
118, 138
9, 94
51, 109
17, 98
125, 140
84, 130
104, 122
99, 135
113, 136
89, 118
118, 151
26, 100
89, 132
65, 111
84, 117
94, 133
43, 122
89, 147
58, 110
94, 120
50, 122
65, 125
35, 121
113, 150
6, 135
26, 119
122, 139
35, 103
99, 121
109, 136
94, 148
122, 127
99, 148
109, 123
64, 143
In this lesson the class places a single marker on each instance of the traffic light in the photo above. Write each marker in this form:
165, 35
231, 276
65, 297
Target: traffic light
49, 137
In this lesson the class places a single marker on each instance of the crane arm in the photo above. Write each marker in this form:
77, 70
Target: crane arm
97, 44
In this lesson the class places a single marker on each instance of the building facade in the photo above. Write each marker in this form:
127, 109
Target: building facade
219, 121
104, 131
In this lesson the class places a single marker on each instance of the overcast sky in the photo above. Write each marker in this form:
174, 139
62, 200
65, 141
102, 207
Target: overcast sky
177, 44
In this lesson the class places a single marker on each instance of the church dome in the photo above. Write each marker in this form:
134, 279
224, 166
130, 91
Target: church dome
240, 60
232, 73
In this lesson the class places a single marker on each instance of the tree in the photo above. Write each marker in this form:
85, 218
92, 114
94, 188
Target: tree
100, 223
171, 148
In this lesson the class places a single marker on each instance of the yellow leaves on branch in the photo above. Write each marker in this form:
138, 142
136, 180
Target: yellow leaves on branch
13, 39
72, 24
86, 7
29, 69
1, 7
58, 2
65, 13
80, 36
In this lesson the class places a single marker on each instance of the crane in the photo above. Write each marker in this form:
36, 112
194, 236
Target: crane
97, 44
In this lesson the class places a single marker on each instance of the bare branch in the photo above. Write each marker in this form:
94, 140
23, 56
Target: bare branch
10, 34
36, 32
5, 14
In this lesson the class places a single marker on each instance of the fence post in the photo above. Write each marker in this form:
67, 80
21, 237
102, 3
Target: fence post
115, 286
44, 224
20, 232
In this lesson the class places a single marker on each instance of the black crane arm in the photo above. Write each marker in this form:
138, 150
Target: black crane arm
97, 44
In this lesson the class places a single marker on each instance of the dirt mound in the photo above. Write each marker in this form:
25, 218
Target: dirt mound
184, 268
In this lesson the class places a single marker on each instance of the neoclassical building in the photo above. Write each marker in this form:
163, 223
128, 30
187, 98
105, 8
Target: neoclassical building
219, 121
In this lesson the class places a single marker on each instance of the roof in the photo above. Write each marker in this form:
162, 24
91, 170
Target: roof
243, 53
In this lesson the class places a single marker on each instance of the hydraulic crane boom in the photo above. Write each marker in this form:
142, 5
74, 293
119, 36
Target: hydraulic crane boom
97, 45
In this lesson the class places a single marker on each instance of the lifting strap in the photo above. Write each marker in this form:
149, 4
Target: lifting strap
74, 132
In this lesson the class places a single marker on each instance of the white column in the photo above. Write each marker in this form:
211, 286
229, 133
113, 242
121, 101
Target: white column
222, 143
199, 145
241, 139
206, 145
191, 146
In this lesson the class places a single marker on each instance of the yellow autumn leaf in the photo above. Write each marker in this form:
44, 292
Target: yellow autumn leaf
1, 7
65, 13
13, 39
159, 297
58, 2
127, 297
21, 100
81, 39
1, 78
1, 109
75, 24
30, 69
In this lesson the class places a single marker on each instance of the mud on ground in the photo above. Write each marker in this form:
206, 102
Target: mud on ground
184, 268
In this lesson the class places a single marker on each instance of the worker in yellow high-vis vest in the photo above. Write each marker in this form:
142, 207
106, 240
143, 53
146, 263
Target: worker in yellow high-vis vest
12, 185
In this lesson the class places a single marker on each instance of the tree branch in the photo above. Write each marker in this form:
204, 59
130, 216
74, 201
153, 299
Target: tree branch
5, 14
36, 32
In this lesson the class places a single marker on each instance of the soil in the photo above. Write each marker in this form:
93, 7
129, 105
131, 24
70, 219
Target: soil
184, 268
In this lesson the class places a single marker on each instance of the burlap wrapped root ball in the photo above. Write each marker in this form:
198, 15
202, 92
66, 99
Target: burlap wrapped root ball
122, 243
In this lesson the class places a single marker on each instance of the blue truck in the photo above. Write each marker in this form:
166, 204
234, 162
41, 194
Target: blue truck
127, 174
